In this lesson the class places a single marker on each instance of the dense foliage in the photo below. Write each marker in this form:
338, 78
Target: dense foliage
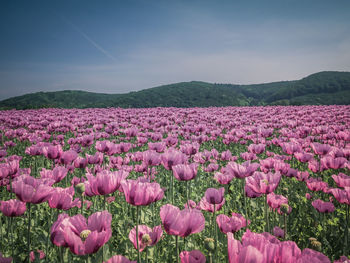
324, 88
230, 184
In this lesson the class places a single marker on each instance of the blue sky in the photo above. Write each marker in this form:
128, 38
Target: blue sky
121, 46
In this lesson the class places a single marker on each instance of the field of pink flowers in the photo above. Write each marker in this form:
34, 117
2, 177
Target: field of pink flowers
233, 184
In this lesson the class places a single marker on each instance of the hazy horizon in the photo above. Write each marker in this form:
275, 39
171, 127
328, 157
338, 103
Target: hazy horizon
118, 47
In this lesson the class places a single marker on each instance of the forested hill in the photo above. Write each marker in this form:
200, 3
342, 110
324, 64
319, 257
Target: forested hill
323, 88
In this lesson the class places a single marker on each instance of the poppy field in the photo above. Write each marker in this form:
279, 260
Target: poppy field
230, 184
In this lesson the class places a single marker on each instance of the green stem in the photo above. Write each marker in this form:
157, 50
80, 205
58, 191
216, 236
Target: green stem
245, 204
285, 226
28, 233
137, 234
346, 232
11, 236
177, 248
48, 236
215, 236
266, 215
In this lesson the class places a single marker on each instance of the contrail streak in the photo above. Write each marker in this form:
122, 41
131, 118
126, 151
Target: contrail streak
91, 41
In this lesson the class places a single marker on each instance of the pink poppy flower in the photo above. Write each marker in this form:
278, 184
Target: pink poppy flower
185, 172
256, 148
147, 236
303, 156
241, 170
320, 149
97, 158
194, 256
40, 253
106, 182
68, 157
278, 232
52, 151
231, 224
57, 174
62, 198
263, 183
87, 237
181, 222
119, 259
151, 158
4, 259
172, 157
316, 184
80, 162
328, 162
323, 207
141, 193
31, 190
12, 207
214, 196
275, 201
342, 196
342, 180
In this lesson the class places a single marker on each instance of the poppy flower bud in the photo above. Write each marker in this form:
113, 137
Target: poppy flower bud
80, 188
209, 244
284, 208
315, 243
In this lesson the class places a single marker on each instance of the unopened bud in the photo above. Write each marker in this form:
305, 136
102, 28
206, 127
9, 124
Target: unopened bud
209, 244
284, 208
80, 188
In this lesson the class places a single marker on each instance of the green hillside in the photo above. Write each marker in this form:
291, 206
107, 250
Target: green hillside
317, 89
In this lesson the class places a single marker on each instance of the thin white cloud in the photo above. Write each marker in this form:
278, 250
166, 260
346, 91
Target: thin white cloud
89, 39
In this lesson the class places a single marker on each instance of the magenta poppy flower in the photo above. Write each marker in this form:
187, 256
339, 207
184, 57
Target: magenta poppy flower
302, 176
12, 207
119, 259
57, 174
256, 148
194, 256
141, 193
263, 183
58, 229
275, 201
342, 196
291, 147
97, 158
205, 205
181, 222
151, 158
105, 146
87, 237
250, 192
267, 164
52, 151
31, 190
278, 232
320, 149
214, 196
342, 180
80, 162
329, 162
185, 172
231, 224
172, 157
223, 178
303, 156
310, 255
248, 156
40, 253
316, 184
4, 259
106, 182
323, 207
62, 198
68, 157
241, 170
147, 236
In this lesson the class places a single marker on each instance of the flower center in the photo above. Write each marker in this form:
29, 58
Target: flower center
84, 234
146, 239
